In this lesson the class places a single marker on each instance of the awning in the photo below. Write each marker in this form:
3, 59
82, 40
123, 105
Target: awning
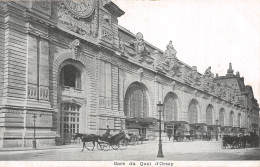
198, 124
142, 121
213, 126
175, 122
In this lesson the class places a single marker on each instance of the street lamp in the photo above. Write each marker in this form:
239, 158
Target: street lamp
216, 130
34, 139
160, 109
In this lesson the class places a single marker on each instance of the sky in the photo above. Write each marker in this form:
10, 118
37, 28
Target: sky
204, 32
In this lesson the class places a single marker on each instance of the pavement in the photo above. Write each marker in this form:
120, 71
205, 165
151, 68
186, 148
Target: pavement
173, 151
14, 149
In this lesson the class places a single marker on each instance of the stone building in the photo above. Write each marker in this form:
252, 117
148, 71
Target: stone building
70, 64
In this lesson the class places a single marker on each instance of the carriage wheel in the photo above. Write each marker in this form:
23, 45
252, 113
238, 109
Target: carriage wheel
134, 141
115, 146
123, 144
235, 144
105, 147
100, 146
89, 146
223, 145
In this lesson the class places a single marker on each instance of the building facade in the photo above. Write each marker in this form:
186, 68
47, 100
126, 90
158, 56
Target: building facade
70, 64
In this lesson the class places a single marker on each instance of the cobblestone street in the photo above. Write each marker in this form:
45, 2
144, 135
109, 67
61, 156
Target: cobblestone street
173, 151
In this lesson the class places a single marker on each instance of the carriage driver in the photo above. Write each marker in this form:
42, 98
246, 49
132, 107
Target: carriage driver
108, 132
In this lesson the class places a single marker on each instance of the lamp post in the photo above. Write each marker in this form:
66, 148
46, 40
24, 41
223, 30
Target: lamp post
34, 120
160, 109
217, 130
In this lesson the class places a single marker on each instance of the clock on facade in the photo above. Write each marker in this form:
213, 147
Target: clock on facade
80, 8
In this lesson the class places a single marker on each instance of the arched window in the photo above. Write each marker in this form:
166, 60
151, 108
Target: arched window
222, 117
193, 112
136, 102
170, 108
209, 115
231, 118
239, 120
70, 76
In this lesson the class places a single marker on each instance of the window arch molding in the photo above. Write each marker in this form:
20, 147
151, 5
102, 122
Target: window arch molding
239, 120
171, 107
222, 117
210, 114
136, 101
231, 118
78, 66
193, 111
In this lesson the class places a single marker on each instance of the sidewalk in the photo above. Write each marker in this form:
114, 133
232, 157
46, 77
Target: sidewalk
40, 148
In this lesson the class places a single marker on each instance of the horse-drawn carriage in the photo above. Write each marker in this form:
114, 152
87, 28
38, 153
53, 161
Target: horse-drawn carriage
183, 136
135, 137
240, 141
103, 142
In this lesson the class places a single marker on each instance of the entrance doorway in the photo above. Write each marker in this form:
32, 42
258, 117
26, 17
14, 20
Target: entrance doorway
69, 121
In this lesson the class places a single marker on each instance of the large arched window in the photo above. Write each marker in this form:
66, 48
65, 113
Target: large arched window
231, 118
209, 115
170, 108
193, 112
239, 120
136, 104
222, 117
70, 76
248, 121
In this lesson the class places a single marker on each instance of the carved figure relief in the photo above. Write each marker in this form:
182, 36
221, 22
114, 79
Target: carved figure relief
72, 17
168, 63
192, 77
75, 46
207, 81
136, 49
141, 51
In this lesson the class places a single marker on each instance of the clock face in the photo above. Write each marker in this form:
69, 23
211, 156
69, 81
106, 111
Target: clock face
80, 8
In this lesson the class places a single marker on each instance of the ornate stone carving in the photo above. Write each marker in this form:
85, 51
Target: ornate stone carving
85, 27
170, 51
158, 79
75, 46
136, 49
171, 66
139, 46
107, 35
192, 77
80, 8
173, 85
42, 6
168, 63
208, 73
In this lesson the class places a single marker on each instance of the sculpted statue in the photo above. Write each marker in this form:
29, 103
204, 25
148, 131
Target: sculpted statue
208, 72
169, 63
170, 52
139, 46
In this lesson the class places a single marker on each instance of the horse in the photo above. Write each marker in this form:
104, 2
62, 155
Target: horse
86, 138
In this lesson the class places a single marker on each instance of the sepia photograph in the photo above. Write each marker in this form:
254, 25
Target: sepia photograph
150, 83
